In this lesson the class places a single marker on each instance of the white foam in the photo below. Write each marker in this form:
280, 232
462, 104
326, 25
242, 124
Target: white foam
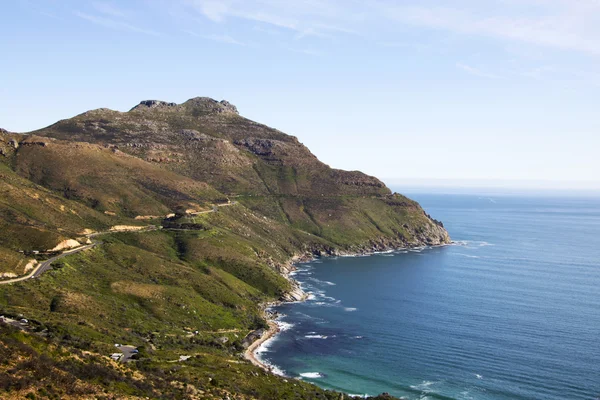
320, 282
471, 243
384, 252
479, 376
284, 326
311, 375
460, 243
316, 336
424, 386
263, 348
467, 255
350, 309
273, 368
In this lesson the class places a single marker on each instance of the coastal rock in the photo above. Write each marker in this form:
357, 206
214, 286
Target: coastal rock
296, 294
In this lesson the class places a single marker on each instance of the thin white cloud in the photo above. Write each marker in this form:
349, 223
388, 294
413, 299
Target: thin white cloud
561, 24
214, 10
108, 9
476, 71
191, 33
224, 39
112, 24
308, 52
305, 17
556, 24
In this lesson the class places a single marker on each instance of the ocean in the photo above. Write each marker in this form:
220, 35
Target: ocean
511, 310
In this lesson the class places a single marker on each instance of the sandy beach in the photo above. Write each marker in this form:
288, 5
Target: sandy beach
249, 353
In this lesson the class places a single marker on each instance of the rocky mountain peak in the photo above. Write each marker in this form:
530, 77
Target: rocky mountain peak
197, 106
153, 104
208, 105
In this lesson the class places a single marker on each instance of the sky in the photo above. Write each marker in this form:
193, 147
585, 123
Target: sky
465, 91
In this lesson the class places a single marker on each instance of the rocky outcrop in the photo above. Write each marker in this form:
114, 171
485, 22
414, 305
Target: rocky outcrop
355, 178
228, 107
260, 147
66, 245
206, 105
191, 134
30, 265
36, 141
197, 106
295, 294
154, 104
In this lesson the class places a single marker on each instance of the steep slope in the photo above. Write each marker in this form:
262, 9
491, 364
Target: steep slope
267, 170
209, 141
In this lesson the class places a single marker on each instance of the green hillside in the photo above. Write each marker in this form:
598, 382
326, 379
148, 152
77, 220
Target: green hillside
237, 202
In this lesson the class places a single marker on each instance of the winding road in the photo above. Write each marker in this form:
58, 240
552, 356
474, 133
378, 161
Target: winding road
46, 265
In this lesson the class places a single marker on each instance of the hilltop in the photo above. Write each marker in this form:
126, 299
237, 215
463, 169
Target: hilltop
174, 166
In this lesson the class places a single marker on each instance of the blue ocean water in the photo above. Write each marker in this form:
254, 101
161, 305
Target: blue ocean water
510, 311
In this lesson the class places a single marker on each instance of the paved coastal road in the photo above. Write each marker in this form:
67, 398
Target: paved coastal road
215, 208
128, 352
46, 265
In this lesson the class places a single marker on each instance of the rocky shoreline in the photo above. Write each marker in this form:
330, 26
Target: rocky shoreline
296, 294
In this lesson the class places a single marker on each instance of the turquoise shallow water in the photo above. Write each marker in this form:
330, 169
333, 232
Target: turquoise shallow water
511, 311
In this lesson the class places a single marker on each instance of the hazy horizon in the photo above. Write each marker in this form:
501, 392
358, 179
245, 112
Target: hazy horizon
495, 186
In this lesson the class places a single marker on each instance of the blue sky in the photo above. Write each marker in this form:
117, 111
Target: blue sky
410, 91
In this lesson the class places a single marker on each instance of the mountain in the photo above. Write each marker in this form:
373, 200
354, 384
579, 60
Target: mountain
238, 202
